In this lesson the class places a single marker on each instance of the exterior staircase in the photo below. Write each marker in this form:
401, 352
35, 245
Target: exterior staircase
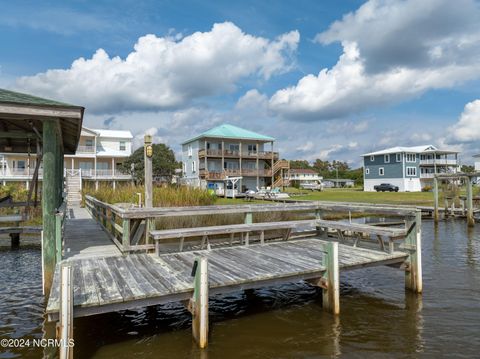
279, 169
74, 187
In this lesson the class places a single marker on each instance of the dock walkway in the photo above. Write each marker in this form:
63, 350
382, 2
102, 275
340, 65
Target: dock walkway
84, 237
137, 280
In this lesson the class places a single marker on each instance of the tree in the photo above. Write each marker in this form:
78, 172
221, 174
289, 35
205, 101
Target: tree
299, 164
467, 169
321, 166
163, 163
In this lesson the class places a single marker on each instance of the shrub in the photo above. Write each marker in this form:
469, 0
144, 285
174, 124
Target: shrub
427, 188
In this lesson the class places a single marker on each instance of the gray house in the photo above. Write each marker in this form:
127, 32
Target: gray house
409, 168
226, 151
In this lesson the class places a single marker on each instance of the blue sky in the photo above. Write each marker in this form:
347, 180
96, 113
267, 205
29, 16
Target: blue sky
328, 79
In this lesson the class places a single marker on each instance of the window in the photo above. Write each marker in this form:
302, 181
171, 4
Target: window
89, 142
194, 166
372, 158
386, 158
252, 148
123, 146
234, 147
411, 157
399, 157
189, 149
21, 165
411, 171
367, 171
381, 171
184, 167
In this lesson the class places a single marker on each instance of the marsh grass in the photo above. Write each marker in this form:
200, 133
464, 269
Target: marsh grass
20, 194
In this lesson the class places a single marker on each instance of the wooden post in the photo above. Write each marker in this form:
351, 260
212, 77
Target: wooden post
413, 244
126, 234
248, 218
148, 153
50, 198
331, 279
435, 197
66, 313
470, 219
199, 303
58, 236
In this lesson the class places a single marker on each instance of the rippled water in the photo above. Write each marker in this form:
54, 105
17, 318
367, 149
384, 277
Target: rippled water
378, 318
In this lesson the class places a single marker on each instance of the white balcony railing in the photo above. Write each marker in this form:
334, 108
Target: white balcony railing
443, 161
16, 173
86, 149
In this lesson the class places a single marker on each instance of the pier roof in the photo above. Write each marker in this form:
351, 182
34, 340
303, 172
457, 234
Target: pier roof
22, 116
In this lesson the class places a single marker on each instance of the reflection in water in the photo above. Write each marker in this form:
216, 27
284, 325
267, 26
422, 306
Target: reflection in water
378, 318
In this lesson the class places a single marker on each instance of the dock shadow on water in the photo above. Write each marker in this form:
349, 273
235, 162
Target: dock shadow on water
378, 318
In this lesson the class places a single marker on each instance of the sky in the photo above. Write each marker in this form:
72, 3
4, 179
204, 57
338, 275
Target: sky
328, 79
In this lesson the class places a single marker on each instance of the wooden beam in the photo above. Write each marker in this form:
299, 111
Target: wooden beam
199, 303
331, 280
435, 196
49, 199
413, 244
470, 219
17, 135
148, 171
66, 313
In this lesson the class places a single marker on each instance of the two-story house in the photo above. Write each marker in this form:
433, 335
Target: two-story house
227, 151
409, 168
303, 176
98, 158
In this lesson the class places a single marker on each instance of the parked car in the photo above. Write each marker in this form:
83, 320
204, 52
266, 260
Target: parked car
385, 187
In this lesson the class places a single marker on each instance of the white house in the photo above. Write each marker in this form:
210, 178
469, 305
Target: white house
99, 156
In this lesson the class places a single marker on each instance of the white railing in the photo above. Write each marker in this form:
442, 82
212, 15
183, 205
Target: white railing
443, 161
19, 172
16, 173
86, 149
427, 175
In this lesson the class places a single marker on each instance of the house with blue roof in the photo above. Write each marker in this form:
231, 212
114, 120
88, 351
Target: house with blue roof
409, 168
226, 151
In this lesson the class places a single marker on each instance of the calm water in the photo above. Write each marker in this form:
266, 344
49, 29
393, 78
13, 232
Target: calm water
377, 316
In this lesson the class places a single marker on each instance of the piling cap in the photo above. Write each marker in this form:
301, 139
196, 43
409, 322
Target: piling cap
147, 139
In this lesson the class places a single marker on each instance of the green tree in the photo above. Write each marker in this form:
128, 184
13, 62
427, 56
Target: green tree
300, 164
163, 163
467, 169
321, 166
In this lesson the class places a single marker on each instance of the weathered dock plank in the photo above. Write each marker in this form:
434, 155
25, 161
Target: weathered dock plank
122, 282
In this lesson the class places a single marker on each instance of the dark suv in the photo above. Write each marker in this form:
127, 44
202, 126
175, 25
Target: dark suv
385, 187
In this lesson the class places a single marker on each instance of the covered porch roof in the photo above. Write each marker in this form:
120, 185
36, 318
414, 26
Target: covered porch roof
22, 117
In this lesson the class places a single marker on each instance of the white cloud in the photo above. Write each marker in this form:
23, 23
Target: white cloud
468, 126
392, 51
166, 72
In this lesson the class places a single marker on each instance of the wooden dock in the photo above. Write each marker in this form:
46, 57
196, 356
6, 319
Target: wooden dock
84, 237
114, 258
139, 280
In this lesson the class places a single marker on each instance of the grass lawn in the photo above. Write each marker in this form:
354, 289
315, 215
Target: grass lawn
358, 195
349, 195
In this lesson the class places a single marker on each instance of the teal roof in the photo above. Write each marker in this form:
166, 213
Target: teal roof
7, 96
234, 132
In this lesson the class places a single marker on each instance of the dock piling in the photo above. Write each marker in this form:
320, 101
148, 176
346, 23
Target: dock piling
199, 303
435, 196
413, 244
65, 328
331, 279
470, 219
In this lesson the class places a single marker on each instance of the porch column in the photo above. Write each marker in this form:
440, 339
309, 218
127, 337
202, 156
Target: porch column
240, 183
273, 161
51, 196
73, 164
206, 155
470, 219
113, 167
258, 177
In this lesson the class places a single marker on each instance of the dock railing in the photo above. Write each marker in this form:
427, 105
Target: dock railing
60, 216
131, 228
